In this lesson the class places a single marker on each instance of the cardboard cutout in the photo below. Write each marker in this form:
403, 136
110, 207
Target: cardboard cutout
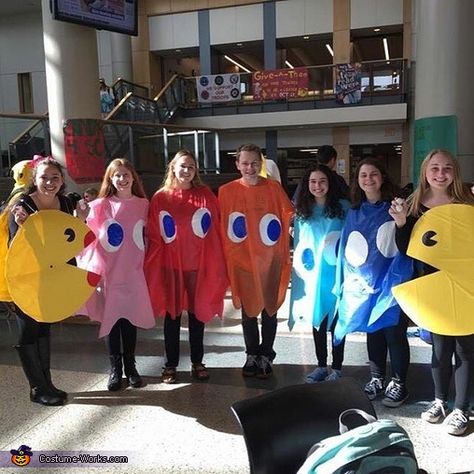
184, 251
41, 278
442, 302
255, 234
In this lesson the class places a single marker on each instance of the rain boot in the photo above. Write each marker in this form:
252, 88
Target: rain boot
115, 378
134, 379
44, 351
39, 388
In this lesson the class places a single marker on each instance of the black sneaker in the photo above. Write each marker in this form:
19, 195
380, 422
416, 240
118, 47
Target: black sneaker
374, 388
435, 412
265, 369
395, 394
250, 368
456, 422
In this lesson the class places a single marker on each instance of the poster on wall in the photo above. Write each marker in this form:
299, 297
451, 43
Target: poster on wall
348, 83
280, 84
84, 147
218, 88
431, 133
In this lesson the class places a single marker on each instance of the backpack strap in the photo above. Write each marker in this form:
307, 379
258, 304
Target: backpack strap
343, 428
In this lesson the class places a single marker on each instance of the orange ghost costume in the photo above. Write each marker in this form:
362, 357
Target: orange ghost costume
255, 224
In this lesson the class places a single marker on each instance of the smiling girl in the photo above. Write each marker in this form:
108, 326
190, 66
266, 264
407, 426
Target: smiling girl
440, 184
121, 301
185, 266
319, 219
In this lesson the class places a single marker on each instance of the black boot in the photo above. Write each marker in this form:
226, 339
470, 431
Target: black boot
131, 373
44, 351
115, 378
40, 391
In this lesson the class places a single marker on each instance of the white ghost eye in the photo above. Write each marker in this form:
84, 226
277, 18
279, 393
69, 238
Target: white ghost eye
331, 244
304, 261
167, 227
237, 227
138, 237
386, 239
357, 249
111, 235
270, 229
201, 222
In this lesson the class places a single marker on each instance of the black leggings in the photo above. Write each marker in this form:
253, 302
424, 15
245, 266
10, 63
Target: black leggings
321, 345
253, 346
123, 333
444, 347
394, 340
172, 329
29, 330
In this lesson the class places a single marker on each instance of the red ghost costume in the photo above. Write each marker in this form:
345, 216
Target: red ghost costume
255, 233
185, 251
118, 255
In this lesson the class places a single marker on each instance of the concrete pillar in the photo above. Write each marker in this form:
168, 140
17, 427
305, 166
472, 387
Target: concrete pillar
341, 36
121, 57
269, 35
72, 72
205, 54
444, 96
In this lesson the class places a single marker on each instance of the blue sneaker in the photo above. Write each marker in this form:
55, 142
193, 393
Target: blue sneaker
317, 375
334, 375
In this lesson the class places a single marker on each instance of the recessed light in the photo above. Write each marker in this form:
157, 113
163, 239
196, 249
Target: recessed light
306, 37
239, 44
376, 30
178, 50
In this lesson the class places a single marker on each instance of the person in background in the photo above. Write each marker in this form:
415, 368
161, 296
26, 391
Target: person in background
320, 215
184, 265
440, 183
107, 100
90, 194
255, 219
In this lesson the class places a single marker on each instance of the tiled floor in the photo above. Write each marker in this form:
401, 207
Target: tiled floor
187, 427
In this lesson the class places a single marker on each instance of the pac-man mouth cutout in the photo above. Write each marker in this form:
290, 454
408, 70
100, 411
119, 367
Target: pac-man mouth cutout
40, 268
442, 302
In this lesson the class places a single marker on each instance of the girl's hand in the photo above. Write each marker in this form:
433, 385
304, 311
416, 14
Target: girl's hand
398, 211
82, 209
19, 214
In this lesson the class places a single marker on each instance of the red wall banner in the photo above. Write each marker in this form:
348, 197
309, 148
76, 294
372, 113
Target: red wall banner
85, 150
280, 84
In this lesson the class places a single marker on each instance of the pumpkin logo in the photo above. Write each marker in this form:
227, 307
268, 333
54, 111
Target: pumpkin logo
22, 456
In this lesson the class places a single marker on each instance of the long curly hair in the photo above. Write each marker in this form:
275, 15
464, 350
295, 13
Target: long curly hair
305, 201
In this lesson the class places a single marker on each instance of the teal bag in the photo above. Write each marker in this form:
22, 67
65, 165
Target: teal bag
378, 447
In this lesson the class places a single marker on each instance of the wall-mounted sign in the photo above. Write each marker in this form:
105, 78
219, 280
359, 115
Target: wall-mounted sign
280, 84
348, 83
218, 87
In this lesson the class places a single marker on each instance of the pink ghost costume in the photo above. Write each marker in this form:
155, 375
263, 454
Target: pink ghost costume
117, 255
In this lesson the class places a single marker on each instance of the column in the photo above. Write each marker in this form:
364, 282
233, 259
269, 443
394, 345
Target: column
72, 72
205, 55
444, 96
269, 35
121, 57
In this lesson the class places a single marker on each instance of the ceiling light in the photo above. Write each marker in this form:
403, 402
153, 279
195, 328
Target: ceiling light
376, 30
239, 44
310, 150
236, 63
331, 52
178, 50
306, 37
385, 48
289, 64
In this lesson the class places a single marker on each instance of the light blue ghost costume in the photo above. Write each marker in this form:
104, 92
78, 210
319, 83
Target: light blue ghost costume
368, 266
316, 241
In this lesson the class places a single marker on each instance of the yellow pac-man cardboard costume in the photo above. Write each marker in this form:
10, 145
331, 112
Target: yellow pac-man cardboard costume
442, 302
4, 293
40, 279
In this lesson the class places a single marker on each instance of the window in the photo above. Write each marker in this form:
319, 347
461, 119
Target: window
25, 93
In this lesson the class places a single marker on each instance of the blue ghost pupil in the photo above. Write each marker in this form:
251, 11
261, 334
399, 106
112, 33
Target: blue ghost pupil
205, 222
115, 235
168, 226
273, 230
238, 226
307, 259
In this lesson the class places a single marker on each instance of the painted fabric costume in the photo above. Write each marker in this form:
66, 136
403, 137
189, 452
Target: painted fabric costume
369, 264
255, 234
118, 256
316, 241
185, 250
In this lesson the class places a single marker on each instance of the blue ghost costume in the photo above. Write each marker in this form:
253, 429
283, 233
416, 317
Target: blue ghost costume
368, 266
316, 241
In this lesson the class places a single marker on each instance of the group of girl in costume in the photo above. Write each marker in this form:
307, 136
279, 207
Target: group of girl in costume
166, 258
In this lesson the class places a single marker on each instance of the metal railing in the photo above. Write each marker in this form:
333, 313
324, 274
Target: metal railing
121, 87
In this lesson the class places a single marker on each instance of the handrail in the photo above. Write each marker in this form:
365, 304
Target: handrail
112, 112
154, 124
165, 87
27, 130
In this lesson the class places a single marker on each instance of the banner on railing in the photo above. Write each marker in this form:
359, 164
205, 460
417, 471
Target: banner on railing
348, 83
84, 149
280, 84
218, 87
